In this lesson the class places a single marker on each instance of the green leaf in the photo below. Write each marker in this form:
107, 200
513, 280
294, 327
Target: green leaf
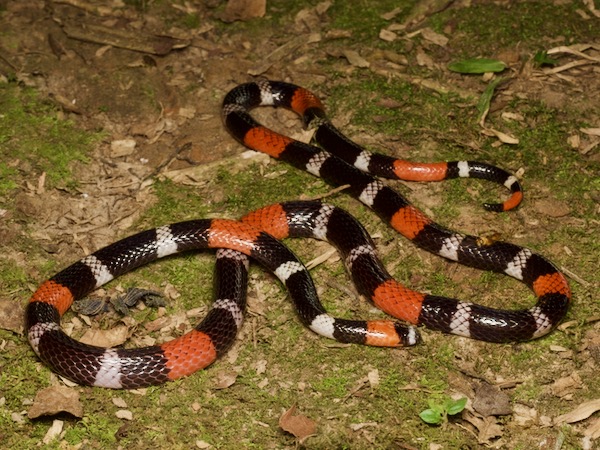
477, 65
483, 105
541, 58
430, 416
455, 406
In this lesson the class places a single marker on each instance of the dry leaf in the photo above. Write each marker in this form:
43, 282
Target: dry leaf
574, 141
124, 414
524, 416
432, 36
488, 427
122, 147
360, 426
504, 138
423, 59
590, 131
54, 400
393, 13
582, 412
106, 338
225, 379
355, 59
552, 208
373, 377
491, 401
119, 402
300, 426
593, 430
11, 316
566, 385
512, 116
591, 7
388, 36
243, 10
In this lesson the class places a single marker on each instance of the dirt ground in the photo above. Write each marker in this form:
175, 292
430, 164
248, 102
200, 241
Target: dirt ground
150, 77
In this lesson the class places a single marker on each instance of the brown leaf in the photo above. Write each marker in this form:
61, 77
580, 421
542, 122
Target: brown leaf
432, 36
243, 10
54, 400
566, 385
487, 428
552, 208
298, 425
583, 411
355, 59
225, 379
11, 316
106, 338
491, 401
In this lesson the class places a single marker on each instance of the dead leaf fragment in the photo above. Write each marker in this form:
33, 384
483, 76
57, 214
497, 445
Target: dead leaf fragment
504, 137
424, 60
124, 414
391, 14
491, 401
552, 208
525, 416
122, 147
106, 338
433, 37
488, 427
566, 385
593, 430
243, 10
388, 36
590, 131
54, 400
373, 377
355, 59
11, 316
225, 379
299, 425
582, 412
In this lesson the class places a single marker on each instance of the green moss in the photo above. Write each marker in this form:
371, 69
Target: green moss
32, 133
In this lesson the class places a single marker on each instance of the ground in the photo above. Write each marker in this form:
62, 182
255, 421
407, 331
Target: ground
110, 124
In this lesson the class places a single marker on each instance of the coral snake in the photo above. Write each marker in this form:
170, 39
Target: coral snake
340, 162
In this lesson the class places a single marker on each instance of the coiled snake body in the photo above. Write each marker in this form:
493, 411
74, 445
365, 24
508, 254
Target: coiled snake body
256, 236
